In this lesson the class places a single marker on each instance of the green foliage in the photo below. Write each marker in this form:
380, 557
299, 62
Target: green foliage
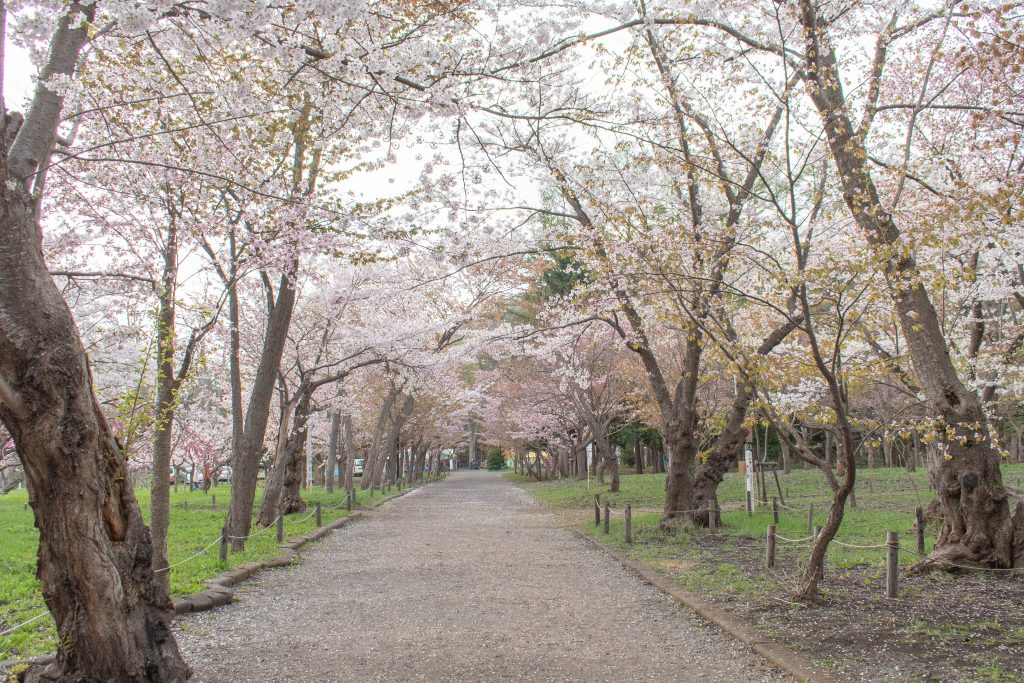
495, 460
562, 277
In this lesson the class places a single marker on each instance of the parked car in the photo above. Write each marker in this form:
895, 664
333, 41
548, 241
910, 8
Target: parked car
357, 467
225, 473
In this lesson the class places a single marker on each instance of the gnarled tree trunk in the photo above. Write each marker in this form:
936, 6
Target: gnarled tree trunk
95, 558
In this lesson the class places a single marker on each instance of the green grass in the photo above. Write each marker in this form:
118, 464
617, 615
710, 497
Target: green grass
886, 501
192, 529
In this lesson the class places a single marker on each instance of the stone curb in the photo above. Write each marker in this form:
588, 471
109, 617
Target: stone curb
219, 591
796, 665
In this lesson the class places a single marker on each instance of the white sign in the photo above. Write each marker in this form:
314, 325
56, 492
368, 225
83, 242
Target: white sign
748, 457
590, 454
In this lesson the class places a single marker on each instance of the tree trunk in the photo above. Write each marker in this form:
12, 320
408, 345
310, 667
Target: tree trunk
247, 459
638, 457
281, 487
348, 452
332, 453
374, 454
977, 524
95, 556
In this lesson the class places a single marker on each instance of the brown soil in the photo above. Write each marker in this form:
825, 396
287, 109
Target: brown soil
942, 627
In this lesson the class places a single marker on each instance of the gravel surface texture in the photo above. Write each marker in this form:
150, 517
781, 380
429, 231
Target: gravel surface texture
464, 580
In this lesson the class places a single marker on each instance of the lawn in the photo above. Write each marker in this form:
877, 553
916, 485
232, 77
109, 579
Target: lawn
923, 630
192, 540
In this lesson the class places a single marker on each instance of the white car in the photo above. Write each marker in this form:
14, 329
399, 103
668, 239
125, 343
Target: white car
357, 466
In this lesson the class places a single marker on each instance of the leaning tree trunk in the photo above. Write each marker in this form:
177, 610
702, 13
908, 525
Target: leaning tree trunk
247, 459
283, 482
729, 444
977, 524
95, 556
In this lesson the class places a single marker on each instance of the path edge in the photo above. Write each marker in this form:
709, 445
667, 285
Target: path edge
782, 656
219, 587
219, 591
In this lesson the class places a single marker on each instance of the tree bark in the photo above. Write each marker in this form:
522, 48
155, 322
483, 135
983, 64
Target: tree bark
332, 452
247, 459
95, 557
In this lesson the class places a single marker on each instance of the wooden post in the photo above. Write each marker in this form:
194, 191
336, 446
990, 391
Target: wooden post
769, 558
348, 499
319, 516
628, 524
892, 563
224, 544
185, 505
607, 515
597, 509
712, 522
280, 528
810, 518
920, 529
213, 502
750, 505
775, 511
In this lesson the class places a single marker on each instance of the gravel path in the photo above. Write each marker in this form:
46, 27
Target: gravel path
464, 580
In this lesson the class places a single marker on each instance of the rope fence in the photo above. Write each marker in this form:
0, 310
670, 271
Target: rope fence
222, 539
604, 510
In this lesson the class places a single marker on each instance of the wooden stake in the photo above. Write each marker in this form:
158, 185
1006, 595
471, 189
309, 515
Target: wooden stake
892, 563
319, 516
280, 528
920, 529
597, 509
775, 511
628, 525
607, 516
810, 518
712, 521
769, 558
224, 544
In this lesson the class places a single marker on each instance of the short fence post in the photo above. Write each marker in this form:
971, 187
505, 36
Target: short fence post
816, 533
597, 509
775, 511
810, 518
750, 505
213, 502
769, 559
920, 530
224, 544
185, 505
712, 517
628, 523
24, 507
892, 563
348, 500
280, 528
607, 515
319, 516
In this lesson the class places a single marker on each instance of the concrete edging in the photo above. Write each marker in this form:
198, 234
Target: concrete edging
798, 666
219, 591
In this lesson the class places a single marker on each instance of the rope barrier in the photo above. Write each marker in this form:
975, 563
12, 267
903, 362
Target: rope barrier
24, 623
257, 533
793, 540
865, 547
188, 559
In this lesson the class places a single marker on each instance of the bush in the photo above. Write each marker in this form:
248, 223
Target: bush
495, 460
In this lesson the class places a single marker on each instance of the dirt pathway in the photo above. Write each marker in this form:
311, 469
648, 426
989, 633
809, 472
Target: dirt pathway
465, 580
